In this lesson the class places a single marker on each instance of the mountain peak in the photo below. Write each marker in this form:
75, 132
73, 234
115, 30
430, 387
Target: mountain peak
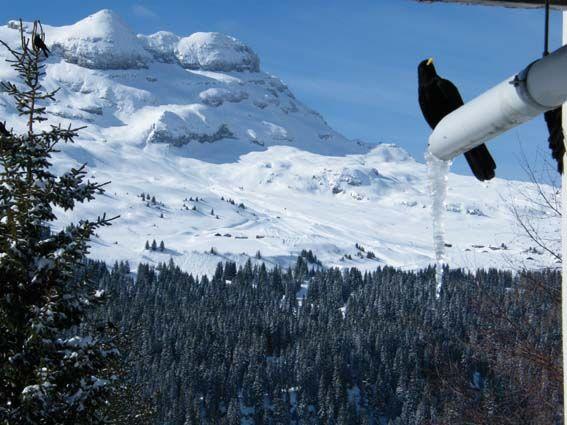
103, 15
101, 41
105, 21
104, 40
214, 51
208, 51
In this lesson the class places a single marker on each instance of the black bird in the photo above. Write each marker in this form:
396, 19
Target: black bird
439, 97
3, 131
40, 45
556, 141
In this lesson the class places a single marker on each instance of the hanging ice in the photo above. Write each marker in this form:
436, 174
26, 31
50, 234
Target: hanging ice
438, 172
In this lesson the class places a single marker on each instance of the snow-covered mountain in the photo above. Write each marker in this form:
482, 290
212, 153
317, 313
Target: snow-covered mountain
185, 118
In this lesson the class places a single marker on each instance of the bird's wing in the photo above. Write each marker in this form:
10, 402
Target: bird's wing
427, 111
451, 93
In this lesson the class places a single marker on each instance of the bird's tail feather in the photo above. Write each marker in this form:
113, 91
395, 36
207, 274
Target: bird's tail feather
556, 141
481, 162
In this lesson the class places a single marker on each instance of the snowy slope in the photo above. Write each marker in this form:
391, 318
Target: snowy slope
181, 118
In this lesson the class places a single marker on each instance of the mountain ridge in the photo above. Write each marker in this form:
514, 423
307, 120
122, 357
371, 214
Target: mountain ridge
203, 121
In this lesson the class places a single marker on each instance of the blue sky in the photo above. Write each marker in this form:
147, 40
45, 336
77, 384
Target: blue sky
355, 62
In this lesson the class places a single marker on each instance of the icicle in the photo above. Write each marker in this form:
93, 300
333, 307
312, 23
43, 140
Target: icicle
438, 172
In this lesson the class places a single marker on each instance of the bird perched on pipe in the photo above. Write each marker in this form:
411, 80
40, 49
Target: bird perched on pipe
554, 122
439, 97
39, 44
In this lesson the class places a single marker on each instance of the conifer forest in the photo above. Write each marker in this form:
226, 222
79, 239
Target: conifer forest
355, 348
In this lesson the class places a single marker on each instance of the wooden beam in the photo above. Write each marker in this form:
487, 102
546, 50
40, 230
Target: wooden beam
555, 4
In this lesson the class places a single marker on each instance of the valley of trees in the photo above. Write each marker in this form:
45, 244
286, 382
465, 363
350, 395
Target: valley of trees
372, 348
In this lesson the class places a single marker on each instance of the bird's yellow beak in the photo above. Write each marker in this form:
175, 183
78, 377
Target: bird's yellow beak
429, 61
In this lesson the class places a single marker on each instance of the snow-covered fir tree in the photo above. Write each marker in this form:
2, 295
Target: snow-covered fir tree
52, 370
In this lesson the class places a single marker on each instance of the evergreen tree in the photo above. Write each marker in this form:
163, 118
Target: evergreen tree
154, 245
129, 403
161, 246
233, 414
281, 411
52, 370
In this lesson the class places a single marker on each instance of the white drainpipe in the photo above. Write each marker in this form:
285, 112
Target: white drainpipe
538, 88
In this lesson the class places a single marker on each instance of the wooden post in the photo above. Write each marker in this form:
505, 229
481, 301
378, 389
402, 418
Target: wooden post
564, 247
